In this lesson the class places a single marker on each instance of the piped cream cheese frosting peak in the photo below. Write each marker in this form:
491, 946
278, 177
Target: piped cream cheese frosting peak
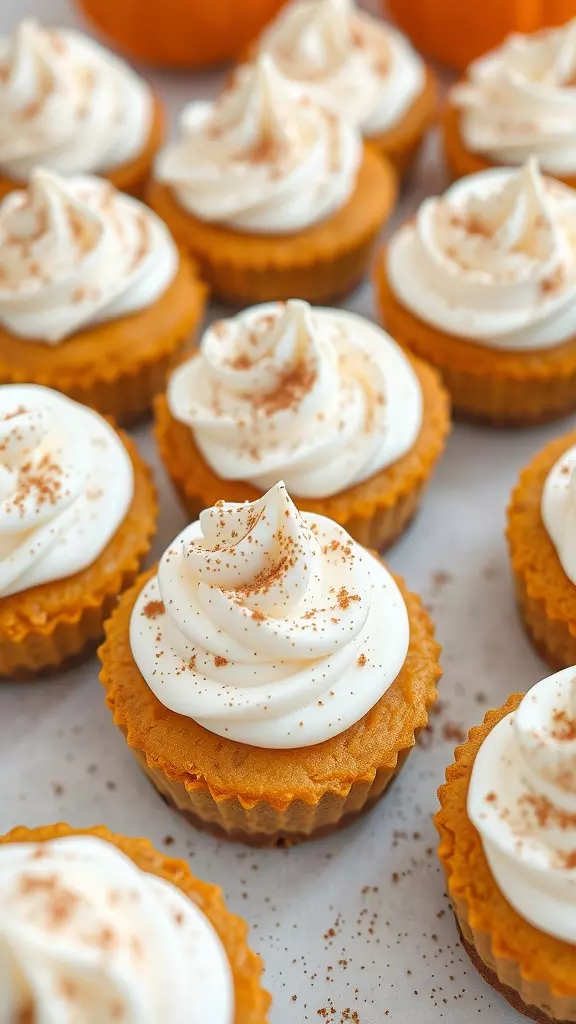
493, 260
66, 484
522, 801
520, 100
320, 397
266, 157
269, 627
75, 252
558, 510
88, 936
68, 104
363, 67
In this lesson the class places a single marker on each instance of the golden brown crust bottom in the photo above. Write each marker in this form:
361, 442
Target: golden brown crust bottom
400, 144
374, 512
117, 367
546, 597
540, 969
501, 388
50, 625
317, 264
251, 1001
269, 793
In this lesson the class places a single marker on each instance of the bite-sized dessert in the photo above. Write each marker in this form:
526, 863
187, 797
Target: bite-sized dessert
542, 542
482, 283
318, 397
101, 927
516, 102
77, 514
271, 676
272, 191
95, 299
366, 69
71, 106
507, 829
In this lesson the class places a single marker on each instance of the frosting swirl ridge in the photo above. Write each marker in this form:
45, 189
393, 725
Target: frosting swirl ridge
87, 935
68, 104
522, 801
558, 510
266, 157
493, 260
321, 397
269, 627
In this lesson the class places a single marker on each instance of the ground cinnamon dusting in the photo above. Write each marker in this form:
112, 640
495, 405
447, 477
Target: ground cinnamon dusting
344, 598
153, 609
361, 661
564, 726
292, 387
219, 661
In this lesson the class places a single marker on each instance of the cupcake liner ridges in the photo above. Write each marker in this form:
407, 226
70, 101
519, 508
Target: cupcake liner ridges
502, 388
546, 597
117, 367
401, 143
43, 628
374, 512
251, 1001
534, 971
318, 264
269, 797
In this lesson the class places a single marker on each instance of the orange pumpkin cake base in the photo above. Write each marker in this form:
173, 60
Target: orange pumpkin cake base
251, 1001
130, 177
46, 626
462, 161
269, 797
116, 367
401, 143
318, 264
539, 969
374, 512
493, 386
546, 597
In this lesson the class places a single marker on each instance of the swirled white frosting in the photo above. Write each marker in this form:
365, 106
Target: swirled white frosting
266, 157
558, 510
320, 397
75, 252
68, 104
522, 800
493, 260
269, 627
363, 67
520, 100
85, 935
66, 484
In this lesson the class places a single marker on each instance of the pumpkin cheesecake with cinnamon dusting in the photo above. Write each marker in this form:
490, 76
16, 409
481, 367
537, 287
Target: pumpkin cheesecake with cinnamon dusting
321, 398
270, 676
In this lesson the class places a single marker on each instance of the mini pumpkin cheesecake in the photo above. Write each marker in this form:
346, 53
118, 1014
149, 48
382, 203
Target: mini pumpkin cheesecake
71, 106
364, 67
320, 397
514, 103
271, 676
272, 191
77, 514
507, 828
482, 284
95, 299
116, 930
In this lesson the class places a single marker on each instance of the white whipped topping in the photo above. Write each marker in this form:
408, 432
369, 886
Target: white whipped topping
493, 260
68, 104
66, 484
520, 100
522, 800
363, 67
320, 397
269, 627
558, 510
266, 157
75, 252
85, 935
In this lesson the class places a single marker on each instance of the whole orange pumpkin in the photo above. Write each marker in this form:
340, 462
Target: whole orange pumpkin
458, 31
181, 33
